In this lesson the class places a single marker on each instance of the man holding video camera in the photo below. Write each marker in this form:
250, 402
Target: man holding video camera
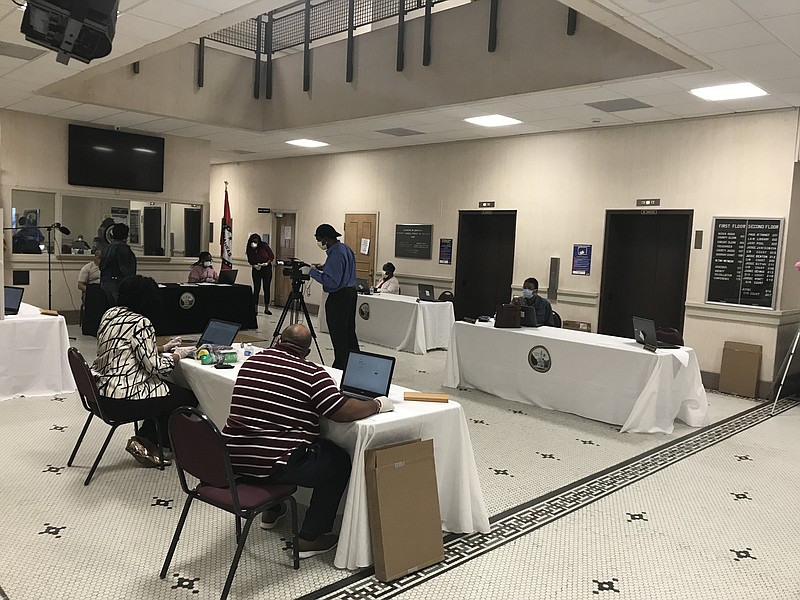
338, 279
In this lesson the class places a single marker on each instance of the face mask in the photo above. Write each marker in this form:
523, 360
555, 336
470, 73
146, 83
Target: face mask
321, 244
527, 294
253, 244
207, 263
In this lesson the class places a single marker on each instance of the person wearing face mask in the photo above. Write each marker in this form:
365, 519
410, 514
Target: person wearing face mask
388, 284
203, 270
338, 279
531, 297
260, 257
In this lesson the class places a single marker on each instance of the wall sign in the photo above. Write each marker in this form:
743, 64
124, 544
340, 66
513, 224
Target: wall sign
581, 259
413, 241
445, 251
744, 260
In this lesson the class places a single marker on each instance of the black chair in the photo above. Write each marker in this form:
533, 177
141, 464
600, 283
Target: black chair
200, 450
556, 319
93, 403
447, 296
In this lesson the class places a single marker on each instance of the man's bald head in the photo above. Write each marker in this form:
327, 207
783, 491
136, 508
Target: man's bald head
297, 334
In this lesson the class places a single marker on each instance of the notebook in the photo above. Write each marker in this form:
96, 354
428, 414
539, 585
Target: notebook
367, 376
644, 332
425, 292
362, 286
227, 276
219, 333
13, 298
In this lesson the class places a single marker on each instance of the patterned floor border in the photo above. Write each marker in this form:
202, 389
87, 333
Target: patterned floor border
525, 518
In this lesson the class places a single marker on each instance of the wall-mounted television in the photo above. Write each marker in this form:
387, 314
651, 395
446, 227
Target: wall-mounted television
114, 159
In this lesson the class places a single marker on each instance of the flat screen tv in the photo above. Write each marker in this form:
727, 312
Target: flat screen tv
113, 159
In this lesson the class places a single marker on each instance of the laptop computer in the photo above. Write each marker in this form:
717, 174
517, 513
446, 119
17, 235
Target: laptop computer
12, 298
362, 286
528, 316
366, 375
425, 292
218, 333
227, 276
644, 332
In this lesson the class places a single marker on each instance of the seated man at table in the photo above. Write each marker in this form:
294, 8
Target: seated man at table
531, 297
272, 432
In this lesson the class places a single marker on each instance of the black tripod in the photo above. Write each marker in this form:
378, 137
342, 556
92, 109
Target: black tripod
295, 304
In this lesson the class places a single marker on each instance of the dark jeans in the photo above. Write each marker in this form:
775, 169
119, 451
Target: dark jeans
325, 467
151, 410
340, 314
262, 277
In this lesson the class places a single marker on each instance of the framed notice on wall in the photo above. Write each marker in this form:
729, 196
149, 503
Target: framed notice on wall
744, 261
413, 241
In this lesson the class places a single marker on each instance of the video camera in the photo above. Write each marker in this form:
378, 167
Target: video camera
292, 268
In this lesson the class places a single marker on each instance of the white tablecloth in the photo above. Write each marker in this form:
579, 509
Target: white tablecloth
400, 322
609, 379
460, 497
35, 348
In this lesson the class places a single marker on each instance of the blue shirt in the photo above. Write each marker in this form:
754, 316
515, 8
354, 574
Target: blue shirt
339, 271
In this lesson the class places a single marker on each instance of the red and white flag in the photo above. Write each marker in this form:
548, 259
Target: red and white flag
226, 235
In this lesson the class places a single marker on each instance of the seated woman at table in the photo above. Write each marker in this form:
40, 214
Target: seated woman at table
388, 284
273, 432
131, 369
203, 270
531, 297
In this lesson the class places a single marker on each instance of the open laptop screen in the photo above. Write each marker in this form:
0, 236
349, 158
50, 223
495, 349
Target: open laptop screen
219, 332
12, 297
227, 276
367, 374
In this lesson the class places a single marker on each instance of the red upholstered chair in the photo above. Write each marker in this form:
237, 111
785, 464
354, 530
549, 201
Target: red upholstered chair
200, 450
93, 403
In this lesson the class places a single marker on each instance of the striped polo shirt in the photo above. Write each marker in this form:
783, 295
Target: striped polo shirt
276, 406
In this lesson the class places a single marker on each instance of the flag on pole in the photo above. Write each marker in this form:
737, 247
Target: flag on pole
226, 235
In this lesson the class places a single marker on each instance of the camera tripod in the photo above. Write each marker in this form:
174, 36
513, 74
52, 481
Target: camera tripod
295, 304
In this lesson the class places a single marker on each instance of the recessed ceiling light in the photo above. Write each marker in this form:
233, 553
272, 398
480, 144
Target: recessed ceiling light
492, 121
307, 143
731, 91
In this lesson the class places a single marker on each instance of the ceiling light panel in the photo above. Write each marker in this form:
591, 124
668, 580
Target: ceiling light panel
307, 143
493, 121
731, 91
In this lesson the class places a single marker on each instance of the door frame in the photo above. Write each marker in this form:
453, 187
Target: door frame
275, 233
609, 214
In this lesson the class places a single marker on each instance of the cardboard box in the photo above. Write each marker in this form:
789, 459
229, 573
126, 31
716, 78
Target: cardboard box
741, 364
403, 501
426, 397
577, 325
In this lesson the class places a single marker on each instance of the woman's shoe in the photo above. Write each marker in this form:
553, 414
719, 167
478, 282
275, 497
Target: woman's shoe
139, 449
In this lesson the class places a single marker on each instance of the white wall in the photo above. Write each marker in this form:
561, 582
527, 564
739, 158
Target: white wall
560, 184
33, 156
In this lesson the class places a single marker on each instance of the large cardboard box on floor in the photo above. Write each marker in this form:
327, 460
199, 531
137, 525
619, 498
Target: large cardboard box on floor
403, 499
741, 364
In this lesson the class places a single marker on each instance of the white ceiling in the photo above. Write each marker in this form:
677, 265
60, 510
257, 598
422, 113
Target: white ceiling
742, 40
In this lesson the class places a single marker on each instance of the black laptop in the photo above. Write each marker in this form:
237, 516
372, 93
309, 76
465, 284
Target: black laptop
528, 316
366, 375
425, 292
12, 299
227, 276
218, 333
362, 286
644, 332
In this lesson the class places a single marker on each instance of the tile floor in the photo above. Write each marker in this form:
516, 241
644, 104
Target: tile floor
578, 511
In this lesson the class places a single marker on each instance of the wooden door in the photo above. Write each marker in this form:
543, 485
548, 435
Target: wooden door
357, 228
283, 246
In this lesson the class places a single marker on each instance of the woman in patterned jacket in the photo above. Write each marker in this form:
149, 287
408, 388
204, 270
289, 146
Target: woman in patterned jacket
131, 368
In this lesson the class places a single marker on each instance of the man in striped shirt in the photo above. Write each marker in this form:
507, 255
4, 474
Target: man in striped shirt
273, 431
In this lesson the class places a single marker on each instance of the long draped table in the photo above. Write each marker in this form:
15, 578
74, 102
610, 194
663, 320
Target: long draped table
400, 322
35, 362
463, 509
605, 378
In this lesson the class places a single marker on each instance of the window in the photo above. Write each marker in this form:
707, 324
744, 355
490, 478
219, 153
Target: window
31, 214
186, 222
